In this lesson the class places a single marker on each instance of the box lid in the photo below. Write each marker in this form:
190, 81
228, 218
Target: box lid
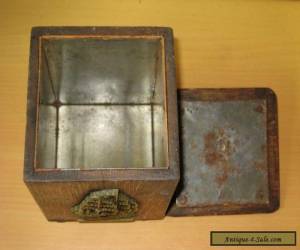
229, 152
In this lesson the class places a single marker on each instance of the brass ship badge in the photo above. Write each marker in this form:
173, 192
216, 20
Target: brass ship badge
106, 204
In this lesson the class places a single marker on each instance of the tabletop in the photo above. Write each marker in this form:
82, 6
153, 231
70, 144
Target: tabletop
218, 43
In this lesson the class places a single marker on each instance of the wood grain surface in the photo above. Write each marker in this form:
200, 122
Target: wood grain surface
230, 43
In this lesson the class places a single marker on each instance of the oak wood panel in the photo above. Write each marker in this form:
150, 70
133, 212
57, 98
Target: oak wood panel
57, 198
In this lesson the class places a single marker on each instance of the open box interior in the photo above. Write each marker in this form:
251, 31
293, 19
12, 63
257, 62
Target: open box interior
101, 103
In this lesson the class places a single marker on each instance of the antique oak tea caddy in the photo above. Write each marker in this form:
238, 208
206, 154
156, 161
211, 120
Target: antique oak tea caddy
103, 132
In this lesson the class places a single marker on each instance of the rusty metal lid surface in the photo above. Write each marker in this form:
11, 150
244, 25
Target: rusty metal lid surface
229, 152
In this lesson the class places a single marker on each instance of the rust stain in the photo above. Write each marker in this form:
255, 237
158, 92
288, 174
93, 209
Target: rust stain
259, 195
221, 131
193, 145
260, 166
221, 179
218, 148
212, 157
182, 200
259, 108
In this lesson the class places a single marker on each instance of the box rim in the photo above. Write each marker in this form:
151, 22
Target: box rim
172, 172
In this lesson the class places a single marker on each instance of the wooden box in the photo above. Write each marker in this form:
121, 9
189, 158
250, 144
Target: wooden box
102, 138
102, 133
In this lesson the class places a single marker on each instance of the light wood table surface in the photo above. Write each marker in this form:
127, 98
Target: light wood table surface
218, 44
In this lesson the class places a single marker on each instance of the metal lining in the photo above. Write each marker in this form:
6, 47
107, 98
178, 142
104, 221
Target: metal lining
224, 153
110, 91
